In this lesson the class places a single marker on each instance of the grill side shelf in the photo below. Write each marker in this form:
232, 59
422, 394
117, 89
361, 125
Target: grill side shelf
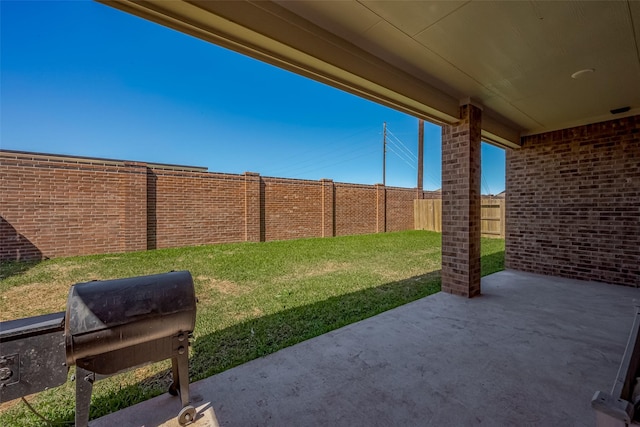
30, 326
32, 355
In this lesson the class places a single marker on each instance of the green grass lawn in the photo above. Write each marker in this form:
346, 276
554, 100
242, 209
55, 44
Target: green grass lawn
254, 299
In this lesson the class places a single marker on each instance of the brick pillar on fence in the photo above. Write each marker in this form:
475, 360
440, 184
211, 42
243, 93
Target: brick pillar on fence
381, 208
328, 208
252, 207
461, 203
134, 226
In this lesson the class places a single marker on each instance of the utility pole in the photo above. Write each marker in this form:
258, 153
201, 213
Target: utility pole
384, 153
420, 154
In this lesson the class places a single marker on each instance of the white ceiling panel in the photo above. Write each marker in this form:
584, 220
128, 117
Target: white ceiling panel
343, 18
412, 17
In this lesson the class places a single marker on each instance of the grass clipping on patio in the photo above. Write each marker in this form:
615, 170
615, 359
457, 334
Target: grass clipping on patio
254, 299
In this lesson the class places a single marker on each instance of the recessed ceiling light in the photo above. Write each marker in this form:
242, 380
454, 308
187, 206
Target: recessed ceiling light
582, 73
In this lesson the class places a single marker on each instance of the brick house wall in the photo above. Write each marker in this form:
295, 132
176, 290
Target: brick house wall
53, 206
573, 203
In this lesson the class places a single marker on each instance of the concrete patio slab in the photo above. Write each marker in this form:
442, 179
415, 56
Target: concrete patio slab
531, 350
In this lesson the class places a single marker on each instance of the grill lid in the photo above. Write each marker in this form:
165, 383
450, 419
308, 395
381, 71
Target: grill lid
99, 305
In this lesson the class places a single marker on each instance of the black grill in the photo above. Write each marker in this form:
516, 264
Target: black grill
109, 327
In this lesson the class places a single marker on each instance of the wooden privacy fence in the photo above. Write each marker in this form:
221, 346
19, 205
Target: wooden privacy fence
427, 215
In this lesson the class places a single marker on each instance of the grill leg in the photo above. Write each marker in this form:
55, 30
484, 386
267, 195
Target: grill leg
84, 386
174, 387
180, 371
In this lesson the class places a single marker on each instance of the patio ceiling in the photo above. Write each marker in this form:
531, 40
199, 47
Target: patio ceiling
514, 59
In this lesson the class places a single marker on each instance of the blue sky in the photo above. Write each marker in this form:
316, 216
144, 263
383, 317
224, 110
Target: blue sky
81, 78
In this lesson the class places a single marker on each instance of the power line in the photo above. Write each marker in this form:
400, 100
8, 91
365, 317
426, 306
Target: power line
486, 184
312, 156
433, 179
332, 154
326, 163
400, 157
314, 159
330, 165
404, 150
334, 142
401, 153
409, 158
404, 147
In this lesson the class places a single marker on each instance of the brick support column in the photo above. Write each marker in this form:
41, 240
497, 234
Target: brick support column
328, 208
461, 204
252, 207
381, 208
135, 207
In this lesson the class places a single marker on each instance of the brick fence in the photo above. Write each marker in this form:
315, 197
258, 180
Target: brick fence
53, 206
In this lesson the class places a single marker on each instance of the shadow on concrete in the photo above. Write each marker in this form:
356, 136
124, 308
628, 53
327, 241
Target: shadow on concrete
254, 338
17, 253
238, 344
258, 337
441, 360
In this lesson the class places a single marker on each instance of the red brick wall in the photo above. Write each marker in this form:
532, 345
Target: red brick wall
253, 208
461, 204
400, 209
328, 208
52, 206
292, 209
573, 203
134, 195
197, 208
355, 209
